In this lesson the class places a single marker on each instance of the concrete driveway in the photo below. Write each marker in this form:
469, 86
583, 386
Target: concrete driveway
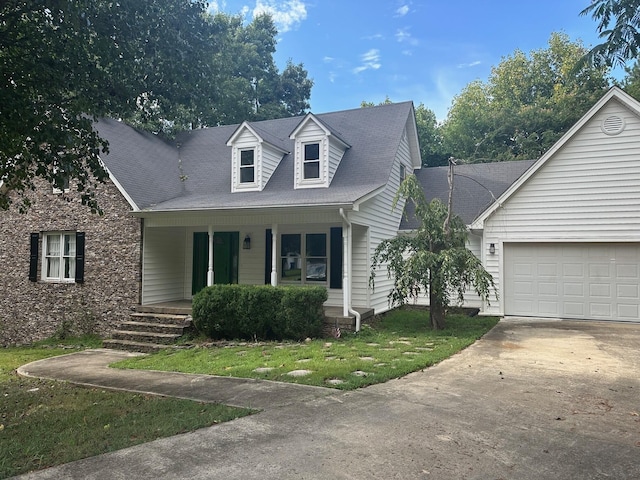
531, 400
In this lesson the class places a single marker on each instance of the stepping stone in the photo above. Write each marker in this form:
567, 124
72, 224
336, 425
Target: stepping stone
402, 342
360, 373
303, 360
367, 359
410, 353
328, 344
335, 381
330, 358
263, 369
299, 373
380, 365
241, 353
373, 344
424, 349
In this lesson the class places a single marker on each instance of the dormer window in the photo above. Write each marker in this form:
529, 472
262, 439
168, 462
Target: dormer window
247, 166
311, 161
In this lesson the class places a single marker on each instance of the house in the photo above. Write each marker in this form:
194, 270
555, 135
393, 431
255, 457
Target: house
563, 240
295, 201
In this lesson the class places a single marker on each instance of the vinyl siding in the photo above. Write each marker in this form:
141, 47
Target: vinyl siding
163, 265
588, 191
383, 224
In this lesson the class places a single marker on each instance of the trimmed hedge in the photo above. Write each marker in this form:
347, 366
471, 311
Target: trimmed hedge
259, 312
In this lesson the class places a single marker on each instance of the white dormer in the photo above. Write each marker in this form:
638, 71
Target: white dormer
253, 159
318, 153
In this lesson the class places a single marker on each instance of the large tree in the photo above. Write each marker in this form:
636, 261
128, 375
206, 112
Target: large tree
162, 65
619, 26
433, 259
528, 102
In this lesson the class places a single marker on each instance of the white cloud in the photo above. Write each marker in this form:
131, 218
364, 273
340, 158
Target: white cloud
404, 36
328, 59
469, 65
402, 11
370, 61
286, 14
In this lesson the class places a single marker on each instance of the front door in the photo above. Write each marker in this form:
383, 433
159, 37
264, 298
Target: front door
225, 258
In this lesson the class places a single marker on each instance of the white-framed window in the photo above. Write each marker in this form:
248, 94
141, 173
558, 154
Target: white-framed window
303, 258
247, 166
65, 186
403, 173
311, 161
59, 256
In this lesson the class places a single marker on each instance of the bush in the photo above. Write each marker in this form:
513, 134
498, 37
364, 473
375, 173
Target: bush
259, 312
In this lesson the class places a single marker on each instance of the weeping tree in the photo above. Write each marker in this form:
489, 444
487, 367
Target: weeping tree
434, 258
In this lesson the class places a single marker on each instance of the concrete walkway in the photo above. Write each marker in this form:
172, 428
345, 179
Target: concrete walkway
531, 400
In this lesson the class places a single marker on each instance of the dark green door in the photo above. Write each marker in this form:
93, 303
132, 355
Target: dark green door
225, 257
226, 247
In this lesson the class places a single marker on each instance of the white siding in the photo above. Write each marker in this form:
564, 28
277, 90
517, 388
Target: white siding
163, 265
588, 191
336, 152
361, 265
383, 224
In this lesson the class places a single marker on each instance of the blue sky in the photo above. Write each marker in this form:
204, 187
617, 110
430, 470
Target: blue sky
421, 50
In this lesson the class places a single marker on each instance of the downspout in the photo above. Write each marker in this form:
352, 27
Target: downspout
346, 271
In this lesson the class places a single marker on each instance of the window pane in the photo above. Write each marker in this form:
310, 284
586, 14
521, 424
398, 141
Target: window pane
53, 267
291, 261
317, 269
246, 175
312, 170
69, 267
70, 245
246, 157
53, 245
312, 151
316, 245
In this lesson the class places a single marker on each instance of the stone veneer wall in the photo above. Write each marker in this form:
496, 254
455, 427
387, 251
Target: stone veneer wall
31, 311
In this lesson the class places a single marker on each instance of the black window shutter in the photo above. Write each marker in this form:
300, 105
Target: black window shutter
33, 257
79, 257
335, 279
267, 256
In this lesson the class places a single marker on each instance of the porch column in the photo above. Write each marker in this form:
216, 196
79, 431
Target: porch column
346, 267
210, 268
274, 254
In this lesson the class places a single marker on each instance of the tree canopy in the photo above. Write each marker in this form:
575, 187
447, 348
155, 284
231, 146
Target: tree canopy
619, 25
528, 102
163, 65
433, 259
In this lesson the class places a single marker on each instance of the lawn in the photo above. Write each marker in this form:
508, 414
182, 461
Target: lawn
398, 343
46, 423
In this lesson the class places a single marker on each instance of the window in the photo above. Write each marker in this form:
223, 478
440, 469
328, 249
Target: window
59, 259
65, 186
296, 267
62, 257
247, 166
311, 164
403, 173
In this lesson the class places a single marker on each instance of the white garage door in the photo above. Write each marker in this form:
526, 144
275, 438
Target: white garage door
597, 281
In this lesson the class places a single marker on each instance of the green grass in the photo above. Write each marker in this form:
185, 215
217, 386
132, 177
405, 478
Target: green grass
45, 423
400, 343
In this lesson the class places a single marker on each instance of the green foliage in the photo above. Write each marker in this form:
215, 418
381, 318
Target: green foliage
164, 66
433, 259
622, 39
631, 83
259, 311
527, 104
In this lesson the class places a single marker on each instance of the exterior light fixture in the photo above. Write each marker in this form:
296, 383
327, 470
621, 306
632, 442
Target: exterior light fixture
246, 244
492, 248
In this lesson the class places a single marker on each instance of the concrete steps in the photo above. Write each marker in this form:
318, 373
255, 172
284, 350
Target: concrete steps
149, 331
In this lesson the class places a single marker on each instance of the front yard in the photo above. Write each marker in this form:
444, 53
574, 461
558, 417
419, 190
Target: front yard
398, 343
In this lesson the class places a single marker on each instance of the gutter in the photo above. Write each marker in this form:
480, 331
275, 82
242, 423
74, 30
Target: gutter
346, 284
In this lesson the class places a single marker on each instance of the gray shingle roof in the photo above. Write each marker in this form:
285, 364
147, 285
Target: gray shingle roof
475, 187
158, 175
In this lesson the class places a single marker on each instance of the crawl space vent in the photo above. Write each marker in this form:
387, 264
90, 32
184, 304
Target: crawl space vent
612, 125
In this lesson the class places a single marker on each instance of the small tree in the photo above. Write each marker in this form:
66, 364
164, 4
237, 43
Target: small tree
433, 259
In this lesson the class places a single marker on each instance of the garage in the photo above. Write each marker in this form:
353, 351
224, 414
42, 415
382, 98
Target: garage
598, 281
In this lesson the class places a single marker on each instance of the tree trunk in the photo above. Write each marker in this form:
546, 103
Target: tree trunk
436, 310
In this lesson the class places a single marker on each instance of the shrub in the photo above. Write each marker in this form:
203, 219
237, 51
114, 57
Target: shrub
259, 312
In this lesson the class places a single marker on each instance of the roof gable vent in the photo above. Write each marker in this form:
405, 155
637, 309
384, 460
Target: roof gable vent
612, 125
